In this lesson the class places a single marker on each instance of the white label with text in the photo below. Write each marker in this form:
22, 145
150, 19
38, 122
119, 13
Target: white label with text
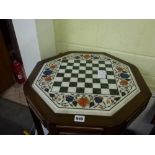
79, 118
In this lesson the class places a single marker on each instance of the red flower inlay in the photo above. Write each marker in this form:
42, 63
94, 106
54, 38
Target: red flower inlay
83, 101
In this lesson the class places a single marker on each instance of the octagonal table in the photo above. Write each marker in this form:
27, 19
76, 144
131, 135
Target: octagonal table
85, 93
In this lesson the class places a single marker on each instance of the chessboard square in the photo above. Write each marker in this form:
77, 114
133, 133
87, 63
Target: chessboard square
76, 67
55, 89
110, 77
81, 79
88, 90
83, 64
62, 67
74, 75
79, 90
69, 67
64, 60
73, 79
108, 65
105, 91
67, 71
64, 89
102, 68
114, 92
112, 86
73, 84
102, 65
83, 61
76, 61
88, 85
81, 84
109, 69
67, 75
88, 68
95, 76
88, 65
62, 70
96, 85
89, 71
108, 62
71, 61
58, 79
82, 71
63, 64
60, 74
57, 83
89, 61
102, 62
113, 81
95, 62
104, 85
95, 65
75, 71
66, 79
104, 81
96, 80
81, 75
89, 75
72, 89
95, 72
96, 91
95, 68
65, 84
110, 72
82, 68
89, 80
76, 64
70, 64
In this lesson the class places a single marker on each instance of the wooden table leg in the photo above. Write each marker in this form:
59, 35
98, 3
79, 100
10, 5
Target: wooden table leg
37, 123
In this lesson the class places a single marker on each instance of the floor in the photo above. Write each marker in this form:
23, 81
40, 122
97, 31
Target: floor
15, 93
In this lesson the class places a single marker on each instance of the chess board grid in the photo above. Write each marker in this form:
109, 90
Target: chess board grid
81, 76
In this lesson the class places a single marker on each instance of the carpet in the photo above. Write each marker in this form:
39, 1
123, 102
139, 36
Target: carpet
15, 119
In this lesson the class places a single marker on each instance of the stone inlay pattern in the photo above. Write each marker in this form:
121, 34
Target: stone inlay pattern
71, 84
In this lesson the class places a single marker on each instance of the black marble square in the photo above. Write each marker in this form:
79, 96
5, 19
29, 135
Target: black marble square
88, 85
74, 75
70, 64
57, 83
62, 67
96, 91
81, 79
73, 84
64, 89
88, 68
112, 81
114, 92
104, 85
79, 90
75, 67
76, 61
68, 71
102, 68
66, 79
101, 62
82, 71
96, 80
89, 75
60, 74
82, 64
108, 65
95, 72
110, 72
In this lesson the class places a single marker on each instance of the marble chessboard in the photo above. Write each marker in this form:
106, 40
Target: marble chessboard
86, 84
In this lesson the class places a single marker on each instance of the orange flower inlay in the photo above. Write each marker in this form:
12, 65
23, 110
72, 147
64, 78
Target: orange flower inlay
53, 66
124, 82
48, 78
83, 101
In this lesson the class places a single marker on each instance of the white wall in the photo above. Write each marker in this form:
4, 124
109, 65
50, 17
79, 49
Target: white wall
26, 34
